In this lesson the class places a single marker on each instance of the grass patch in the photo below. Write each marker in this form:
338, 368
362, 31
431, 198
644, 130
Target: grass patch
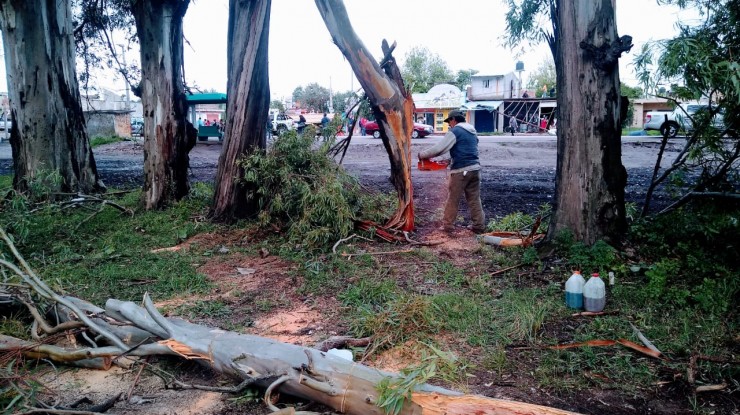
99, 141
108, 254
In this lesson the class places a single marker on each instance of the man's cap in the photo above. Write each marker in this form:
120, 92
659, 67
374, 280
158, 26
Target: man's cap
454, 114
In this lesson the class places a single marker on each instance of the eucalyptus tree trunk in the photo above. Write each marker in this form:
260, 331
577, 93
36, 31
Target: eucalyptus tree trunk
168, 136
248, 90
389, 98
49, 135
590, 181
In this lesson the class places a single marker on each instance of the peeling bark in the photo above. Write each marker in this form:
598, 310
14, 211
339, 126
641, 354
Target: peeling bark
167, 140
247, 108
390, 100
590, 181
49, 133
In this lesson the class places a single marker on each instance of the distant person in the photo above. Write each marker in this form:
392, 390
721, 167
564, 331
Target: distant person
207, 123
513, 124
363, 123
200, 122
461, 140
301, 124
543, 124
325, 121
525, 94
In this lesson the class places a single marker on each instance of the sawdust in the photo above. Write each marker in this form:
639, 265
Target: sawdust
295, 326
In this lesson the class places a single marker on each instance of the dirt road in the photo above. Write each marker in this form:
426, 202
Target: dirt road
518, 175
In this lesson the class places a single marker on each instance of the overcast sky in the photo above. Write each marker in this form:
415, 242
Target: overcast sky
466, 34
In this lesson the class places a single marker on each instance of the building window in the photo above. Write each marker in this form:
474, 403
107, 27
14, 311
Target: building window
487, 83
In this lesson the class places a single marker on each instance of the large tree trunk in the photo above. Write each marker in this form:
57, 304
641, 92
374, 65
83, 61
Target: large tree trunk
248, 104
390, 100
590, 182
167, 136
49, 133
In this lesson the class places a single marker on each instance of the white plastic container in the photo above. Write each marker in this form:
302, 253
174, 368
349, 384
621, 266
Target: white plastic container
574, 290
594, 294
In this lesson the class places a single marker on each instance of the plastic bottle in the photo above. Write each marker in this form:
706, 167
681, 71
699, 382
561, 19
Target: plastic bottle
594, 294
574, 290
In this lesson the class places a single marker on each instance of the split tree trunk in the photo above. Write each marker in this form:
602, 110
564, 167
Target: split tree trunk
590, 181
49, 133
390, 101
247, 108
168, 135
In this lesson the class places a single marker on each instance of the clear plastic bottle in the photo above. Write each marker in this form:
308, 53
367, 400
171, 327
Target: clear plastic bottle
594, 294
574, 290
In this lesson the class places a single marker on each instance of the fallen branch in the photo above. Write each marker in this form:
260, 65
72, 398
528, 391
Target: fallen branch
710, 388
501, 271
601, 343
402, 251
336, 342
644, 339
595, 313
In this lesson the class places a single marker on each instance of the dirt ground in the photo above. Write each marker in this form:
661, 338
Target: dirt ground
261, 291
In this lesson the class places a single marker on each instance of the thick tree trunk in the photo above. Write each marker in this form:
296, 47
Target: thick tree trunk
49, 133
590, 181
391, 103
247, 108
167, 141
346, 386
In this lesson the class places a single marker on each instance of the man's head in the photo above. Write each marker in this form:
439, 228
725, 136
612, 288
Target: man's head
455, 117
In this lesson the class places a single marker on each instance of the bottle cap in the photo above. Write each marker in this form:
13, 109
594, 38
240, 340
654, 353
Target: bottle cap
595, 274
575, 271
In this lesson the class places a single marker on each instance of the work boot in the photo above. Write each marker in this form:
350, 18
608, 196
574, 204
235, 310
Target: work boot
475, 230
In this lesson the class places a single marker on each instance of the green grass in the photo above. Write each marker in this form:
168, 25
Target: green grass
99, 141
108, 254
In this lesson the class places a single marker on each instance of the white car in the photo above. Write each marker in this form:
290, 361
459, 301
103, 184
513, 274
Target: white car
6, 125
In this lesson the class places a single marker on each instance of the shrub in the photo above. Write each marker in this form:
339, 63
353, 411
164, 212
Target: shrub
302, 191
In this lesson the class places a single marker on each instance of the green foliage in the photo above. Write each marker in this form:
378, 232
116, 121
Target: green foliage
530, 22
423, 69
278, 105
695, 254
109, 254
99, 141
312, 97
512, 222
395, 392
464, 78
300, 189
599, 257
404, 318
543, 78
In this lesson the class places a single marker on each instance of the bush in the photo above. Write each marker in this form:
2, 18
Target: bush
302, 191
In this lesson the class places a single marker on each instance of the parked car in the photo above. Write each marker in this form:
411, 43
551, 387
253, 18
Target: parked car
280, 122
669, 123
6, 125
420, 130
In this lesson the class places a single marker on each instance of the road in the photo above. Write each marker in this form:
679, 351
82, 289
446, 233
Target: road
518, 171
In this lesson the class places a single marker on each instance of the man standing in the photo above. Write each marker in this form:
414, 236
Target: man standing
461, 141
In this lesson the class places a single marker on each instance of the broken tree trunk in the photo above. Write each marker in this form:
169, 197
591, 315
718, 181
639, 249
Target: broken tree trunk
127, 330
389, 99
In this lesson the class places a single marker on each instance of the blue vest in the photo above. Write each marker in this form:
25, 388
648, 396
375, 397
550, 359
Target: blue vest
465, 151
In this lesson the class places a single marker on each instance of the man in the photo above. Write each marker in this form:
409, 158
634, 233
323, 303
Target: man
461, 141
324, 121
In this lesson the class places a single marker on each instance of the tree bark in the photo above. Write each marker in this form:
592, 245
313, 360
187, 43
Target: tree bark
390, 101
247, 108
346, 386
590, 181
167, 140
49, 133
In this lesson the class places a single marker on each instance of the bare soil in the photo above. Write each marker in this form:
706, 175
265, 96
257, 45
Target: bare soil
262, 291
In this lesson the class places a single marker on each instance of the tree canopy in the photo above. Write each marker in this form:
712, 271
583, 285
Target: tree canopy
543, 78
312, 97
422, 69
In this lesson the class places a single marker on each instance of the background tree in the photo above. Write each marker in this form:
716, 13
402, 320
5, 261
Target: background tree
49, 135
464, 77
632, 93
312, 97
278, 105
248, 89
168, 135
423, 69
532, 21
543, 78
590, 178
701, 63
343, 101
